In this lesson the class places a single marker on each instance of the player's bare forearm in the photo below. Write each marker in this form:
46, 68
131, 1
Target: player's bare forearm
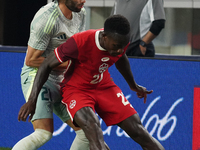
123, 67
34, 59
37, 62
43, 73
149, 37
62, 66
41, 77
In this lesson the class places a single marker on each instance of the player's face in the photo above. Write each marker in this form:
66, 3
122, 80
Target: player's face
115, 46
75, 5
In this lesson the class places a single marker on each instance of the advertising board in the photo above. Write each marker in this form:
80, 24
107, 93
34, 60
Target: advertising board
171, 113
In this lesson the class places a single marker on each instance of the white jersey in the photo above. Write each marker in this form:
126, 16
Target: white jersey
50, 28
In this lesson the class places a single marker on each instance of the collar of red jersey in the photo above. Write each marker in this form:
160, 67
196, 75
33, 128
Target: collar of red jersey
97, 41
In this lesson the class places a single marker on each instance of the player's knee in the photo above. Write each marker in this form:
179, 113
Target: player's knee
81, 135
92, 123
137, 129
35, 140
42, 136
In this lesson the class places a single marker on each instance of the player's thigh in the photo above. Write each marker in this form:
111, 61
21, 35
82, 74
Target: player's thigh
60, 110
113, 107
27, 83
75, 99
86, 117
46, 124
69, 122
43, 117
130, 124
44, 106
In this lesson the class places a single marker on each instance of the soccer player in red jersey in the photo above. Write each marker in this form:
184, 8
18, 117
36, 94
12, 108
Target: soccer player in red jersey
87, 85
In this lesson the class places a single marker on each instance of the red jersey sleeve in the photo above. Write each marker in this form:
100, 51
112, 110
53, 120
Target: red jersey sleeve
67, 50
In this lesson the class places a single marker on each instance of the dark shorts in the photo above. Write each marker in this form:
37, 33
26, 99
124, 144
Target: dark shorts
134, 50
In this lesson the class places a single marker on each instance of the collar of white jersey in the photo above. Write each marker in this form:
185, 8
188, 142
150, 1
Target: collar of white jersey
97, 40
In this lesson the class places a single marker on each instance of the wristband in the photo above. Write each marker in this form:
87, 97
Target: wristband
142, 43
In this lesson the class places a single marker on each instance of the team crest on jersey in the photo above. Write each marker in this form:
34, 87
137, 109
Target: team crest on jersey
72, 104
103, 67
104, 59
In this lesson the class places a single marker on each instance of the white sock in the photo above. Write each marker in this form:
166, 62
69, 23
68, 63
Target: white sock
35, 140
80, 142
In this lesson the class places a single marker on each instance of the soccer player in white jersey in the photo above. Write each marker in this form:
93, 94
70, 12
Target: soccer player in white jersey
52, 25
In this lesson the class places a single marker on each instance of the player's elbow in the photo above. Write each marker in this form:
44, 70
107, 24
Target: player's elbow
157, 26
28, 62
161, 23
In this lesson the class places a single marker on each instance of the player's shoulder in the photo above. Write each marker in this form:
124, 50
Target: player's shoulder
84, 37
45, 17
85, 34
46, 10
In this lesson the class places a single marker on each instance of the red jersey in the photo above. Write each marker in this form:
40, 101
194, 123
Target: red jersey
90, 62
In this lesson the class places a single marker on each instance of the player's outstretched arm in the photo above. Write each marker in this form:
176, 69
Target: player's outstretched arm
41, 77
123, 67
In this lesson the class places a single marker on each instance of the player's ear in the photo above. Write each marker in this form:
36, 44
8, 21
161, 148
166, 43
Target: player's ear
104, 36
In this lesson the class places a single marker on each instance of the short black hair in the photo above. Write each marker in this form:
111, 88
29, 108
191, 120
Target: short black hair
117, 24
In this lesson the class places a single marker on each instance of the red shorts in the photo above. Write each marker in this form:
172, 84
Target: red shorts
108, 101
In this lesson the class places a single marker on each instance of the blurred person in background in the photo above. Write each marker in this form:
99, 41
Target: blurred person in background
147, 19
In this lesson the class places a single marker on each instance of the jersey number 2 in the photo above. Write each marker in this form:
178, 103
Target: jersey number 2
124, 101
46, 94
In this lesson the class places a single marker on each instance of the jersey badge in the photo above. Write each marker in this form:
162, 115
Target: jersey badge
72, 104
103, 67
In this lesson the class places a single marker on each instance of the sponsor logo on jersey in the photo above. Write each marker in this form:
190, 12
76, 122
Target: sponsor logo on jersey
63, 36
72, 104
105, 59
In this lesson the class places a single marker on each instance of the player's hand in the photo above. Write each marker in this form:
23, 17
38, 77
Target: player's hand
142, 92
143, 50
26, 110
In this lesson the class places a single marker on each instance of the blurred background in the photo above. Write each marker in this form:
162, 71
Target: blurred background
179, 37
171, 113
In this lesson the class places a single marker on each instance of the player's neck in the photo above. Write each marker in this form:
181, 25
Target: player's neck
66, 12
101, 41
